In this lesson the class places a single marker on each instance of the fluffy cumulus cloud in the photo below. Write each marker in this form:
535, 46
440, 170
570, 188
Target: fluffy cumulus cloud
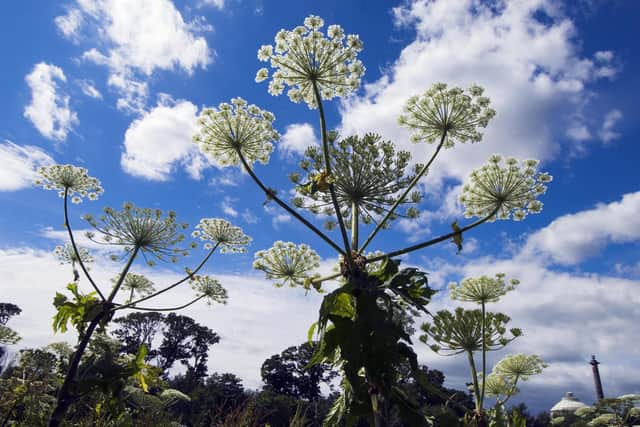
572, 238
136, 38
160, 140
49, 109
524, 53
296, 138
607, 132
19, 165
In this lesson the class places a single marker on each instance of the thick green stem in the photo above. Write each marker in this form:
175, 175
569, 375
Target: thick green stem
75, 247
354, 226
64, 399
397, 203
123, 274
270, 193
474, 379
433, 241
327, 169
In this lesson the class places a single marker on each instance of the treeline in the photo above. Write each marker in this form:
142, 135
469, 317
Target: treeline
292, 395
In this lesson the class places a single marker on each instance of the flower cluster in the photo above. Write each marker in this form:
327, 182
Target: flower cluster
367, 174
69, 180
304, 57
503, 191
447, 112
149, 231
66, 255
221, 233
210, 289
235, 130
288, 263
461, 331
483, 289
519, 367
136, 284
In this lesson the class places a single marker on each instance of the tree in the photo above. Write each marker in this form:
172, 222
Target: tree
289, 373
361, 182
7, 335
186, 341
138, 329
136, 232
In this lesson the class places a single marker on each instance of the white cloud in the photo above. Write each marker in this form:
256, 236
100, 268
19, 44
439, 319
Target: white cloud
216, 3
89, 89
572, 238
296, 138
19, 165
227, 207
606, 133
49, 107
531, 70
160, 140
69, 24
137, 38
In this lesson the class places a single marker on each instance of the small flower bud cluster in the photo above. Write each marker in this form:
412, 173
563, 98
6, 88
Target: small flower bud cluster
217, 231
304, 56
288, 263
152, 232
137, 284
508, 190
72, 180
448, 112
236, 128
66, 254
483, 289
210, 288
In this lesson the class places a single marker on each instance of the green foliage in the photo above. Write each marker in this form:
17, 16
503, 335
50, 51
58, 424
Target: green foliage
79, 311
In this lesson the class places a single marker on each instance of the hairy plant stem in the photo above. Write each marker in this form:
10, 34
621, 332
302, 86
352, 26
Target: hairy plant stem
75, 247
434, 241
354, 226
397, 203
173, 285
271, 195
63, 400
327, 169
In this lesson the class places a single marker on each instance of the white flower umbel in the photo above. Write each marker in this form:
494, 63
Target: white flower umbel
483, 289
509, 188
236, 128
73, 180
287, 263
217, 231
305, 55
210, 289
442, 110
516, 367
148, 230
66, 255
137, 284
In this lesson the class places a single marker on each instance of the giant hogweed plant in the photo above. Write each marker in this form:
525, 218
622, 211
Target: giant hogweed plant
362, 183
133, 234
475, 331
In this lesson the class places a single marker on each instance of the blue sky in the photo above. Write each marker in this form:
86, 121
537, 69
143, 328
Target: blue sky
116, 86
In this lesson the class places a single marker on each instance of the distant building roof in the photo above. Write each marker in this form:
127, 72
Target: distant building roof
568, 404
